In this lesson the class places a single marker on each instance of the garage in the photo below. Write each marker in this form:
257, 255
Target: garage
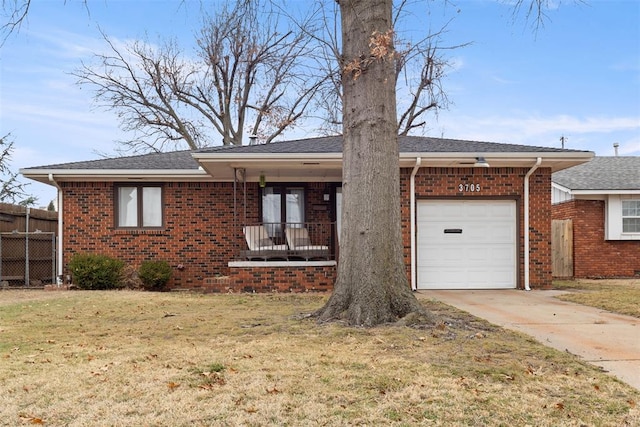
466, 244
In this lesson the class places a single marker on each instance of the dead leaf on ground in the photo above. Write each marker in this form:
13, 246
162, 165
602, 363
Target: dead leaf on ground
30, 419
172, 385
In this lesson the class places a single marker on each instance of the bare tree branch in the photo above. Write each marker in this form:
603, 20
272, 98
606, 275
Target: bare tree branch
11, 190
249, 75
15, 12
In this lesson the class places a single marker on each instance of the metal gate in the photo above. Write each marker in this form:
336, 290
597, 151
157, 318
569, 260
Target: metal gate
27, 259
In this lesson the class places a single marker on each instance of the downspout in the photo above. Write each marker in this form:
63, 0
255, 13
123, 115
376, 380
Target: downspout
60, 266
412, 203
27, 279
526, 223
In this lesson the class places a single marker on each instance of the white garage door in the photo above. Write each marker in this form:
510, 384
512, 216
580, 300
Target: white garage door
468, 244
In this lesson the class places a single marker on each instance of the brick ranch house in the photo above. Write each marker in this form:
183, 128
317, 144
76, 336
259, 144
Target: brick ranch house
601, 199
465, 206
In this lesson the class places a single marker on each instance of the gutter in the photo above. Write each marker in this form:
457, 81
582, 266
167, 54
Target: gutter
412, 204
526, 223
60, 267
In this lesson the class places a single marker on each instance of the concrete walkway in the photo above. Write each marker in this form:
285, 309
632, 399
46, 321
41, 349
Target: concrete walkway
604, 339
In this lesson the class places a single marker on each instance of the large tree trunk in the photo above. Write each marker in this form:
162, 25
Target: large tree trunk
371, 286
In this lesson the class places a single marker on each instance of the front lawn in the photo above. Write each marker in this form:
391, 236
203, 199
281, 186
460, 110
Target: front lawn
619, 296
124, 358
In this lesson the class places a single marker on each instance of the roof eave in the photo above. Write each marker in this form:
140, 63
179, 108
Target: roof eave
604, 191
43, 175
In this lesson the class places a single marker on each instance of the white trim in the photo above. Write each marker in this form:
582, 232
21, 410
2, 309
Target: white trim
597, 192
412, 204
560, 187
271, 264
613, 219
107, 172
60, 254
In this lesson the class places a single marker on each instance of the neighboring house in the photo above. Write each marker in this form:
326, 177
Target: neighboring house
602, 199
465, 206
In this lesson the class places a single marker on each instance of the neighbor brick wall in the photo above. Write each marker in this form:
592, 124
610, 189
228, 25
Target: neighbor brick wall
494, 183
593, 256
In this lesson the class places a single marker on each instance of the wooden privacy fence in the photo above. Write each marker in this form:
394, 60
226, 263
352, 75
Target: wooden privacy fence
20, 218
562, 247
27, 246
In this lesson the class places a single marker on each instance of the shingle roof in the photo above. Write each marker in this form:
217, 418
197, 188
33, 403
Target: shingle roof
183, 160
602, 173
407, 144
175, 160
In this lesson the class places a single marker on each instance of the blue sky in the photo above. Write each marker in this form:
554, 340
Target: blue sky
578, 76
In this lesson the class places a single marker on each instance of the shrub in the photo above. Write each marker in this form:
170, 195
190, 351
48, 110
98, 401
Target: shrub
94, 271
130, 279
155, 275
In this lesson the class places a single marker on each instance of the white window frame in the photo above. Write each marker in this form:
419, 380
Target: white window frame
613, 218
637, 216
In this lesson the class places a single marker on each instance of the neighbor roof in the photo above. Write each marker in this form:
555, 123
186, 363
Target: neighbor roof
602, 173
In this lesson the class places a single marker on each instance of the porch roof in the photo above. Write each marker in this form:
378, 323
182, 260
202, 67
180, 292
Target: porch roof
314, 159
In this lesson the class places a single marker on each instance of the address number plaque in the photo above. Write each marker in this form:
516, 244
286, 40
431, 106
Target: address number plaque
469, 188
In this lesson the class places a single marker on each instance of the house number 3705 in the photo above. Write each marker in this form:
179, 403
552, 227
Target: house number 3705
463, 188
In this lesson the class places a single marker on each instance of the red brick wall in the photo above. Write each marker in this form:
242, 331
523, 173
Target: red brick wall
593, 256
494, 183
202, 234
287, 279
200, 231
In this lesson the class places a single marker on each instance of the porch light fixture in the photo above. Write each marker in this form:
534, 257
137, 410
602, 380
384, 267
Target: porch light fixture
481, 163
263, 181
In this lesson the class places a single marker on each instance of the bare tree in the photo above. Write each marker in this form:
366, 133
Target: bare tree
11, 190
371, 286
421, 66
248, 76
420, 70
14, 12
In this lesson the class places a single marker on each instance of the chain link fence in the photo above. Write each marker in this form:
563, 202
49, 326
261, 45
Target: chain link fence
27, 259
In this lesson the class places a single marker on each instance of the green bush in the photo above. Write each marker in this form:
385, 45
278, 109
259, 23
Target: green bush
94, 271
154, 275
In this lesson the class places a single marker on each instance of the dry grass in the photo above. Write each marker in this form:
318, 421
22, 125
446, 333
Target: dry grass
619, 296
143, 359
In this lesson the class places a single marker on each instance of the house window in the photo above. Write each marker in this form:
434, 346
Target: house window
631, 216
282, 204
139, 206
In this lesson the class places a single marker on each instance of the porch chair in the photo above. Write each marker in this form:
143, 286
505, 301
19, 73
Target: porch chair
300, 244
260, 244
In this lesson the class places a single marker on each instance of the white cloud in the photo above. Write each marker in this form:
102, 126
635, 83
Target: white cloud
590, 133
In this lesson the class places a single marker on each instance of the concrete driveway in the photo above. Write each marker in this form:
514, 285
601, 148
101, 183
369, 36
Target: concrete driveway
604, 339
